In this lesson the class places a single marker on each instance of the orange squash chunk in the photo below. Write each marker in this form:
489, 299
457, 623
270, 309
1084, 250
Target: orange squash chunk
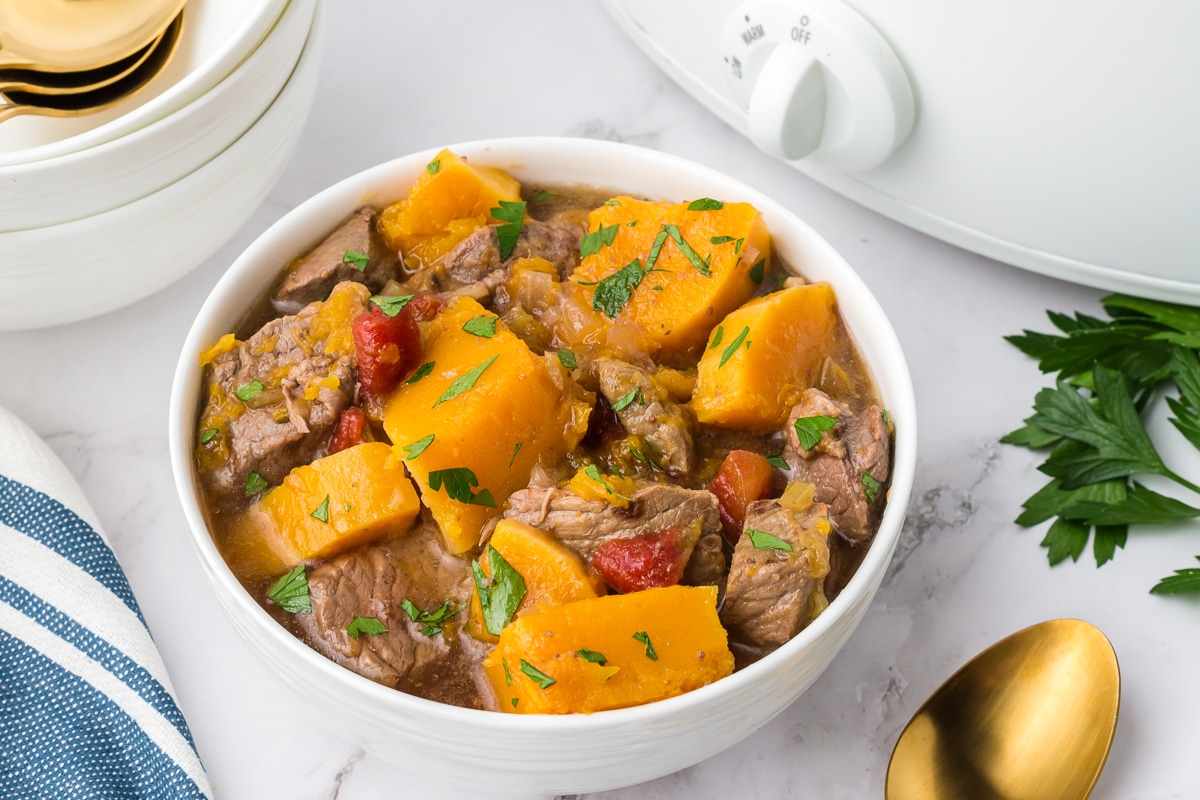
679, 305
785, 338
553, 573
610, 652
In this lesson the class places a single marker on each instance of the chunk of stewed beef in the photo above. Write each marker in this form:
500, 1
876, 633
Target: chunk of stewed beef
646, 409
774, 592
856, 446
353, 252
556, 240
279, 394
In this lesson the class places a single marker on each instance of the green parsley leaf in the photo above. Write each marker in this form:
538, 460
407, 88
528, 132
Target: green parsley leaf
591, 656
208, 435
631, 223
483, 498
808, 429
778, 461
483, 326
391, 304
720, 239
433, 166
321, 512
464, 382
507, 674
291, 592
416, 448
516, 449
513, 214
249, 390
586, 283
543, 196
656, 248
543, 680
634, 395
359, 260
656, 288
593, 472
1065, 538
737, 247
421, 372
597, 239
612, 202
871, 487
716, 342
705, 204
515, 701
765, 541
367, 625
499, 595
700, 264
756, 272
566, 357
1184, 580
432, 621
729, 351
255, 483
614, 292
644, 638
458, 482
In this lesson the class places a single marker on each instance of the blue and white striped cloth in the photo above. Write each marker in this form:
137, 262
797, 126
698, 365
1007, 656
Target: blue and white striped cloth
86, 708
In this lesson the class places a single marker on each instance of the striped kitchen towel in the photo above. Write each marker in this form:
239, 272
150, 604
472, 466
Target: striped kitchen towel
86, 708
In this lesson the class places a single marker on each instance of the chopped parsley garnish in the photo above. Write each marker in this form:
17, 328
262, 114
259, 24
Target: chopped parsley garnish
756, 272
591, 656
433, 166
717, 339
458, 482
416, 448
720, 239
614, 292
391, 304
255, 483
656, 289
733, 346
208, 435
512, 213
705, 204
809, 429
1184, 580
593, 472
367, 625
359, 260
515, 700
507, 674
612, 202
291, 592
634, 395
566, 357
631, 223
644, 638
483, 326
543, 680
602, 237
542, 196
656, 248
737, 247
871, 487
249, 390
464, 382
321, 512
421, 372
887, 420
432, 620
516, 449
500, 594
700, 264
777, 461
765, 541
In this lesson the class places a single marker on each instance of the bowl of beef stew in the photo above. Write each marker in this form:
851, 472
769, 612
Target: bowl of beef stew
553, 464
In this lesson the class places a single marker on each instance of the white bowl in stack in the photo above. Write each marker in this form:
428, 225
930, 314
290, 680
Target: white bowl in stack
119, 204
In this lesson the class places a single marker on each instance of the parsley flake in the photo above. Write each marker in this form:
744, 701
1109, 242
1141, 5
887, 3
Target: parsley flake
507, 674
516, 449
765, 541
543, 680
458, 482
359, 260
614, 292
431, 620
391, 304
208, 435
249, 390
511, 212
720, 239
515, 700
597, 239
632, 396
871, 487
542, 196
733, 346
255, 483
644, 638
321, 512
483, 326
593, 472
777, 461
717, 338
291, 592
656, 248
756, 272
566, 357
700, 264
367, 625
591, 656
464, 382
421, 372
501, 593
612, 202
809, 429
737, 247
433, 166
705, 204
416, 448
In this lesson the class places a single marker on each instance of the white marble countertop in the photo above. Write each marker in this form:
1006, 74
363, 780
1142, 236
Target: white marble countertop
399, 77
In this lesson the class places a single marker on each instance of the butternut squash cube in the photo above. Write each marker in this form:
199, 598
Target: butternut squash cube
676, 303
448, 190
553, 573
492, 407
770, 350
610, 652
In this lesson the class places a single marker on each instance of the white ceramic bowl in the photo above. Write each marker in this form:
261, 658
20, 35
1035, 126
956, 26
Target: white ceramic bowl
546, 754
119, 256
81, 183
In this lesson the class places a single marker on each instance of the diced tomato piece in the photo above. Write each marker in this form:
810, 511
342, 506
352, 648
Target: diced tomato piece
645, 561
425, 307
349, 431
388, 349
743, 478
604, 426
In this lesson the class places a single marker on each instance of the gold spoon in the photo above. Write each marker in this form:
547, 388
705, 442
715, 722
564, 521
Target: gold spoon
40, 82
87, 102
1030, 718
69, 35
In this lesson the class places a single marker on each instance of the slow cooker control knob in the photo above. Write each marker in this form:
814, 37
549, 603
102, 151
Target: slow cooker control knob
817, 81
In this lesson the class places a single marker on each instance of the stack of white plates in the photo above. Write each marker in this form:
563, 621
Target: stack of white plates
99, 211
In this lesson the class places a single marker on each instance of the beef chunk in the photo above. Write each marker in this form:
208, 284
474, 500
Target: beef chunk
374, 582
311, 277
773, 594
556, 240
307, 373
857, 445
586, 524
707, 565
651, 414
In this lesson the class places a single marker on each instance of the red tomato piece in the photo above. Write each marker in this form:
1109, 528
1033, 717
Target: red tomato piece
388, 349
645, 561
425, 307
349, 431
743, 478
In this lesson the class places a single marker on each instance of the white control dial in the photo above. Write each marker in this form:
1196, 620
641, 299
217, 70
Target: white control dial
817, 81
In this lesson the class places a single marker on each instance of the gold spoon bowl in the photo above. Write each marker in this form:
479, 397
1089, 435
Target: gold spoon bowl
1030, 718
42, 82
71, 35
